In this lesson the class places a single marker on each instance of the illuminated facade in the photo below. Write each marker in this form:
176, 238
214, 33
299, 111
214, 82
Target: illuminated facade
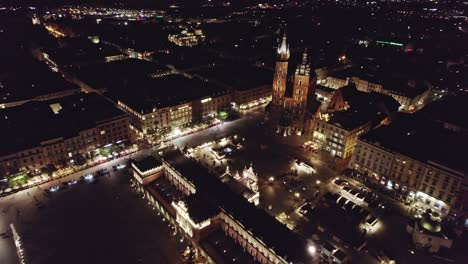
338, 140
288, 111
172, 119
61, 149
248, 98
160, 120
187, 38
430, 184
188, 191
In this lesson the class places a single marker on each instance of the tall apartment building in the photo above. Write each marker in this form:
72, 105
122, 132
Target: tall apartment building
55, 131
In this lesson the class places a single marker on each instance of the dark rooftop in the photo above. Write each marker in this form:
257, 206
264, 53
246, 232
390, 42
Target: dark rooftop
129, 81
63, 117
329, 247
25, 78
228, 250
349, 119
237, 76
339, 254
144, 94
199, 208
423, 140
103, 75
147, 163
274, 234
363, 107
80, 51
168, 191
399, 85
325, 89
450, 109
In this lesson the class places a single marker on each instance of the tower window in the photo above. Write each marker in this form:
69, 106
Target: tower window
300, 82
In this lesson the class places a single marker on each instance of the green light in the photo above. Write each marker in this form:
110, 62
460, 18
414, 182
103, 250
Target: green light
223, 115
390, 43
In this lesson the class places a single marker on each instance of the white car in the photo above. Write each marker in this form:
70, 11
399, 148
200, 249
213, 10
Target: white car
89, 177
72, 182
54, 188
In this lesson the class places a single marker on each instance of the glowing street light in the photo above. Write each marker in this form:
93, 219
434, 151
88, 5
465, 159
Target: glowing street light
312, 249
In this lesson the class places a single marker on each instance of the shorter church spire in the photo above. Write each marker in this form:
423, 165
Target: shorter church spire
304, 57
304, 67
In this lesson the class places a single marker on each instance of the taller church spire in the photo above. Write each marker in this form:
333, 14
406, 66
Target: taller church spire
283, 49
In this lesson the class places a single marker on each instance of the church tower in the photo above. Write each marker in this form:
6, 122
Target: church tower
281, 72
302, 84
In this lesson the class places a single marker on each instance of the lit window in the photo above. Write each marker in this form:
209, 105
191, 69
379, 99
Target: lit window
103, 132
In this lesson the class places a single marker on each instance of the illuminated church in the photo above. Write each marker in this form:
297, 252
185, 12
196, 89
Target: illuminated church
293, 104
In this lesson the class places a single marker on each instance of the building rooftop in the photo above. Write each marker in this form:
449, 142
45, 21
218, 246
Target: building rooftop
147, 163
27, 125
351, 119
168, 191
186, 58
129, 81
327, 246
450, 110
362, 100
398, 85
80, 51
24, 78
274, 234
104, 75
363, 107
199, 208
407, 88
145, 94
226, 250
237, 76
339, 254
325, 89
423, 140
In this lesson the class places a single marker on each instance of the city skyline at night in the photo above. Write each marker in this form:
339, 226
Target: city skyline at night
233, 132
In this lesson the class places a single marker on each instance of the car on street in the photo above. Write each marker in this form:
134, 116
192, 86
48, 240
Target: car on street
54, 188
89, 177
72, 182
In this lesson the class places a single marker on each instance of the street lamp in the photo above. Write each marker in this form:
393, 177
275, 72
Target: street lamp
312, 250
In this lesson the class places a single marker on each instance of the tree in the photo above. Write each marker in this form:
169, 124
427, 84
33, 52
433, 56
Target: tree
49, 169
78, 159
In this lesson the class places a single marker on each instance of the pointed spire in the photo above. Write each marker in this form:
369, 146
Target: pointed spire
304, 57
304, 67
283, 48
